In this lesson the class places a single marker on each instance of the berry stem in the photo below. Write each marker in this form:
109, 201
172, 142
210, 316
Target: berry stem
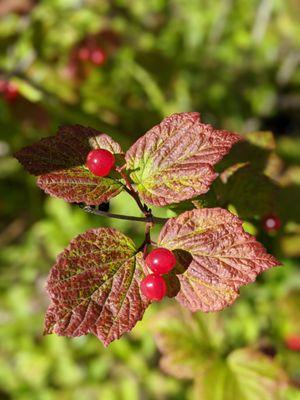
130, 190
148, 219
143, 247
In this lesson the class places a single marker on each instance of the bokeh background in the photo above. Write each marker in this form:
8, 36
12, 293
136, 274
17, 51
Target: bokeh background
121, 66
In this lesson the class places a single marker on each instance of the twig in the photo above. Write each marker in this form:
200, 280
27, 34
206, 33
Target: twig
130, 190
148, 219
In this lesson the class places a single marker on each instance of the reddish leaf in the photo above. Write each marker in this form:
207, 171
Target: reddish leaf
222, 257
174, 160
59, 161
95, 287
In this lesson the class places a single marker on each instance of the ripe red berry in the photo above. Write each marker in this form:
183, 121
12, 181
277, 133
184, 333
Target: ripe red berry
98, 56
271, 223
9, 90
161, 260
100, 162
293, 342
84, 53
153, 287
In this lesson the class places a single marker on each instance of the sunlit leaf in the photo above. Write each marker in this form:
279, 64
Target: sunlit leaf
94, 287
263, 139
219, 257
174, 160
187, 341
244, 375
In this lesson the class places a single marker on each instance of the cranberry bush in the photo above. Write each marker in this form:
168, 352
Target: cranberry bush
100, 283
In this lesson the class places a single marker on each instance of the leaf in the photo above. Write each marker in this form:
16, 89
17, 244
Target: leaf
187, 341
95, 287
290, 245
222, 257
288, 308
251, 192
174, 160
263, 139
245, 374
254, 150
287, 199
59, 163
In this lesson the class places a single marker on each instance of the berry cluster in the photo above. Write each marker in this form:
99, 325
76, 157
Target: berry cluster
160, 261
8, 90
96, 55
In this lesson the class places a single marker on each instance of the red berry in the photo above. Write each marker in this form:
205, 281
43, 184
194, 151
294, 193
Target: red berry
271, 223
100, 162
84, 53
9, 90
98, 56
153, 287
2, 86
293, 342
161, 260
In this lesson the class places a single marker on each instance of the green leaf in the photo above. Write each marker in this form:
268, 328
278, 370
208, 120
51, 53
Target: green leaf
262, 139
95, 287
187, 341
255, 150
244, 375
59, 163
251, 192
174, 160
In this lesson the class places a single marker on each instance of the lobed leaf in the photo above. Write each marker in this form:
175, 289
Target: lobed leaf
221, 257
59, 163
174, 160
251, 192
187, 341
95, 287
245, 374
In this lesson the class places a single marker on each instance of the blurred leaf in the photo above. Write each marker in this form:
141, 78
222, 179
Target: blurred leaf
187, 341
251, 192
245, 375
265, 140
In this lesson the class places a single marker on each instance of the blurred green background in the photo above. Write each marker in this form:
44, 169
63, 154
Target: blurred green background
235, 61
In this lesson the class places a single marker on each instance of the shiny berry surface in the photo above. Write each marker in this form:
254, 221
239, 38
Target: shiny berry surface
271, 223
293, 342
100, 162
153, 287
161, 260
98, 56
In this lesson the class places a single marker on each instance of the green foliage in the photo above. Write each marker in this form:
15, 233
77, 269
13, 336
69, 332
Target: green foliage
236, 63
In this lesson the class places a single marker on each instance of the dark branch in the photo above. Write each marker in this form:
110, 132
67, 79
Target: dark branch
151, 218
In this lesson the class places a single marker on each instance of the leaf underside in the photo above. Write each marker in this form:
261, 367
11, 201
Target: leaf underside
174, 160
95, 287
59, 163
223, 257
